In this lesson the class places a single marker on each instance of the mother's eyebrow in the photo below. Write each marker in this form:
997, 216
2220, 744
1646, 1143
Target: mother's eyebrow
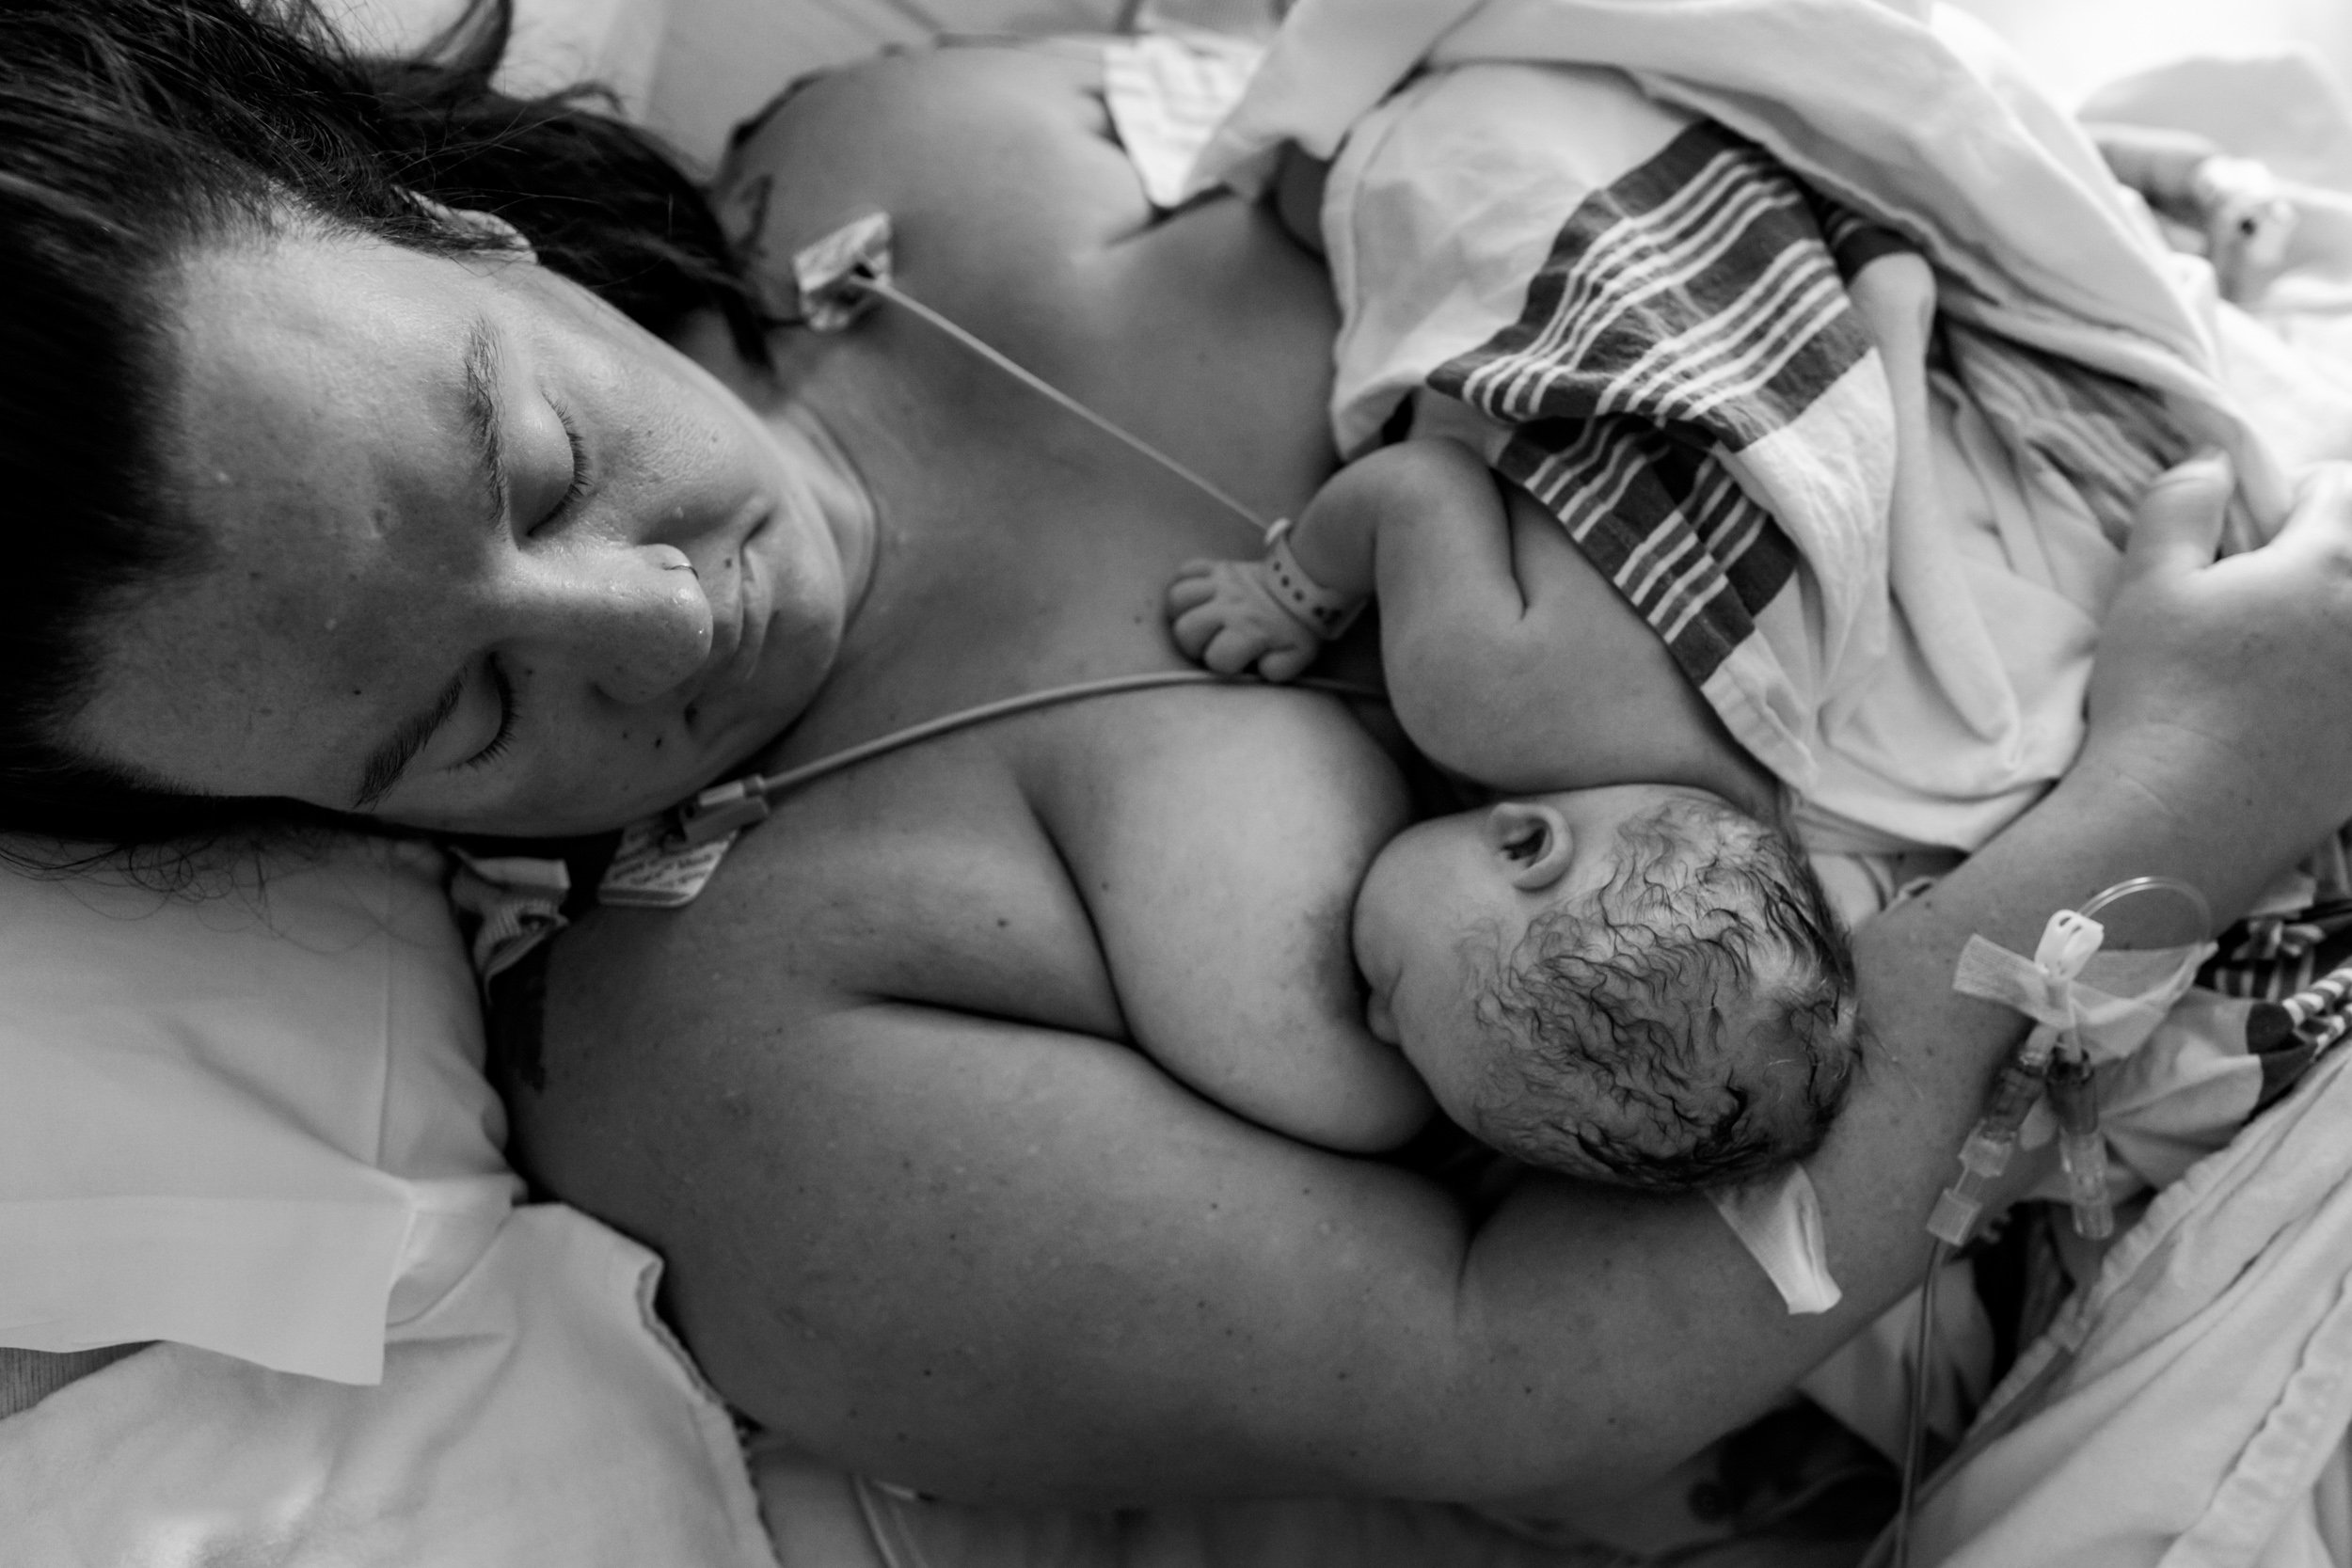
485, 416
388, 762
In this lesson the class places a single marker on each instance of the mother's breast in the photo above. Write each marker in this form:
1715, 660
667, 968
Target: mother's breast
1123, 868
921, 985
925, 879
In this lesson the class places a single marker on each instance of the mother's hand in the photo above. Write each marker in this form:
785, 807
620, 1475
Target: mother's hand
2222, 691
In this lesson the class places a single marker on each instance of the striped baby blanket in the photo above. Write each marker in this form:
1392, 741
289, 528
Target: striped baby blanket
1910, 113
1914, 673
1643, 318
1688, 318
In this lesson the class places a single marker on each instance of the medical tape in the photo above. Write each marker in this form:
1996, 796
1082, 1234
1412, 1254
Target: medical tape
516, 903
833, 276
2043, 987
2104, 1004
1778, 1219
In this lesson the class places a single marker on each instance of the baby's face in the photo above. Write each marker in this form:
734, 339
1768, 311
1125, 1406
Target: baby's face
1447, 897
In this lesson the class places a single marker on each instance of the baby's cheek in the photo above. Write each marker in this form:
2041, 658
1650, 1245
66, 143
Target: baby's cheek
1456, 1058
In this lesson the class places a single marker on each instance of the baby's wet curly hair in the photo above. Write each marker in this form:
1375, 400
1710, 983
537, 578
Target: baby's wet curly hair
1692, 1024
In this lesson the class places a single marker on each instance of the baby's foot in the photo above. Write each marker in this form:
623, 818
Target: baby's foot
1226, 617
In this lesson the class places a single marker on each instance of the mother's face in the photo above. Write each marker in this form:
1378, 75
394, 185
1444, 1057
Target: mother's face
486, 556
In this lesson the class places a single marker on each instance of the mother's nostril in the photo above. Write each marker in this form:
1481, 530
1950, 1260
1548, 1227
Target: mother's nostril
659, 637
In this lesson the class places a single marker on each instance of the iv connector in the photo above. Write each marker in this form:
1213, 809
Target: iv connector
1954, 1217
721, 810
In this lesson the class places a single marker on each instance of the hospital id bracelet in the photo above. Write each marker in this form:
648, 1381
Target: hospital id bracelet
1317, 607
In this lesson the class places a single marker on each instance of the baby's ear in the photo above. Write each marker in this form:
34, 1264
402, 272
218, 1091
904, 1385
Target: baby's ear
1532, 840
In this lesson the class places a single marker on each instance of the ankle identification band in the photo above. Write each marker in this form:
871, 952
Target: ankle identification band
1305, 600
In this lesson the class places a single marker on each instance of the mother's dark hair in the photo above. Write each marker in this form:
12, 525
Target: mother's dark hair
134, 132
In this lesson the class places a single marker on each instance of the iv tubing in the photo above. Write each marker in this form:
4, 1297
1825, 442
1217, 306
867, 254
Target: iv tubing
1916, 1424
1915, 1437
769, 787
1045, 388
2124, 890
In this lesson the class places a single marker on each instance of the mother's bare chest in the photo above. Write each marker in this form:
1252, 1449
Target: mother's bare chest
1207, 332
1112, 868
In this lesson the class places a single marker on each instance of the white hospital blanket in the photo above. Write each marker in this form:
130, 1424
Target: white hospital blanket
251, 1122
2181, 1410
534, 1416
1916, 119
1642, 318
1915, 676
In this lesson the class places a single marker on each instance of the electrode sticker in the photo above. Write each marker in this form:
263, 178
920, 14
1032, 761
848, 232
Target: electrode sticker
830, 272
649, 873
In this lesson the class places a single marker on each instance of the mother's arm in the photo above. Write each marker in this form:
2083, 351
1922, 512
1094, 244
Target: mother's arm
996, 1261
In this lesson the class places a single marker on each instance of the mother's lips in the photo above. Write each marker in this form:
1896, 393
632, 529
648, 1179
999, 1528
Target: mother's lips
739, 629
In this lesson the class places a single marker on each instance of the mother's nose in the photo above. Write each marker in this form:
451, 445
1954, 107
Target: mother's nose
633, 621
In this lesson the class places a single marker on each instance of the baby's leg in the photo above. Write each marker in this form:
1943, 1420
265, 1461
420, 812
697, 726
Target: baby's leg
1514, 660
1510, 659
1895, 296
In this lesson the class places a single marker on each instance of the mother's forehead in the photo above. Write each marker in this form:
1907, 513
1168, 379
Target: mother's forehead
322, 387
320, 413
270, 339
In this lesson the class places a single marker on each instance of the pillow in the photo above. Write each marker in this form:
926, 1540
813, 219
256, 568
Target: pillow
250, 1120
248, 1117
532, 1417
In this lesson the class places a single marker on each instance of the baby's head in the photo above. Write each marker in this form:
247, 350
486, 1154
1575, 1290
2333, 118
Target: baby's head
1640, 984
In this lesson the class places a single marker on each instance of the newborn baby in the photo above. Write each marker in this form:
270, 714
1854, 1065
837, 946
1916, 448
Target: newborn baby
1614, 970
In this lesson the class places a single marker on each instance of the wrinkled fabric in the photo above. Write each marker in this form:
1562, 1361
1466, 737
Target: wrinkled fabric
247, 1116
534, 1416
2182, 1410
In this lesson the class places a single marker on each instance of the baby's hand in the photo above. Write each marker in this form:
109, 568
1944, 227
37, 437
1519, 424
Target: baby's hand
1225, 616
